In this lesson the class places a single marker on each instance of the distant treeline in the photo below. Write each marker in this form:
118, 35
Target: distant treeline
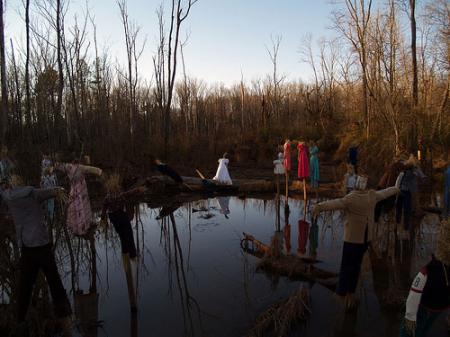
381, 84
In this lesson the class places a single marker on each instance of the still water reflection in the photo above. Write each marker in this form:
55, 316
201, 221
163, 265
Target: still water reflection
193, 279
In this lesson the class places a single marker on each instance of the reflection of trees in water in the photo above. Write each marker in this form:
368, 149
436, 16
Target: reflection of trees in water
9, 257
76, 258
71, 251
192, 314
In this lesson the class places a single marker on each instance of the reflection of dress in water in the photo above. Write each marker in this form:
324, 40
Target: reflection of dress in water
313, 238
224, 204
222, 174
287, 237
303, 230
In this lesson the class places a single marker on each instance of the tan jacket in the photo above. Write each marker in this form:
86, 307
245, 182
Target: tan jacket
359, 207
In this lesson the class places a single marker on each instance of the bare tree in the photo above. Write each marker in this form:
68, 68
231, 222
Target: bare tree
415, 84
354, 25
314, 104
131, 32
27, 63
166, 60
5, 110
59, 40
275, 80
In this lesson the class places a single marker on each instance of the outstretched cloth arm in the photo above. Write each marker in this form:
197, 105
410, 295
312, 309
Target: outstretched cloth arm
390, 191
330, 205
91, 170
43, 194
386, 193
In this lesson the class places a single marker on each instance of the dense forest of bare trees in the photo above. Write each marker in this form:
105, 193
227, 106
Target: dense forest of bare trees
384, 83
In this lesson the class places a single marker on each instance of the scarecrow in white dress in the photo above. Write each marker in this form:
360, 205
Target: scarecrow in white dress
222, 175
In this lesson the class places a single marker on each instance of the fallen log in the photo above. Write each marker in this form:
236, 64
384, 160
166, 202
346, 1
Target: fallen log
331, 190
158, 184
291, 266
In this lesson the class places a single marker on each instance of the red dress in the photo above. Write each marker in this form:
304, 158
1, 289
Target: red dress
303, 161
287, 156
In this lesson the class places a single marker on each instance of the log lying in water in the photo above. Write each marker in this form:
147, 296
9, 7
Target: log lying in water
158, 184
331, 190
291, 266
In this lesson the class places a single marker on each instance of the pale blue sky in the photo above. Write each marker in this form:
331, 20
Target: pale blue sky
226, 36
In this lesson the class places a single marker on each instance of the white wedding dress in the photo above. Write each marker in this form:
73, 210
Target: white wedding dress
222, 175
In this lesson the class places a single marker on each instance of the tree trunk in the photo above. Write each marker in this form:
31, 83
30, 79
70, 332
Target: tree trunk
58, 113
18, 94
27, 63
415, 85
5, 112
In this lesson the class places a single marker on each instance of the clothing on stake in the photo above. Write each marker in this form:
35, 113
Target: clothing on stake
303, 165
287, 167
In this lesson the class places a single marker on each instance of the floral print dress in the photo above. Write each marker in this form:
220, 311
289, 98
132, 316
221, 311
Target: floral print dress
79, 213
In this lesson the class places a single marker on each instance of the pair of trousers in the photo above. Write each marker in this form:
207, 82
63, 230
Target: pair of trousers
122, 225
352, 256
32, 260
404, 207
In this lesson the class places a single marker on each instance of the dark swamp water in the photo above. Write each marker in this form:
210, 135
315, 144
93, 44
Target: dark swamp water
193, 278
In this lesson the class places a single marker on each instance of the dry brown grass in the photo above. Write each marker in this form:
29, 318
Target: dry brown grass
442, 246
279, 319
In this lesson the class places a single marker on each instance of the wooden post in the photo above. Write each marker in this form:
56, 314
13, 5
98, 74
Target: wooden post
304, 189
304, 199
287, 185
278, 184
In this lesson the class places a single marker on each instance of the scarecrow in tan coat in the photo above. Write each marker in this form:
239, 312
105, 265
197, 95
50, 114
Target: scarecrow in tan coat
359, 206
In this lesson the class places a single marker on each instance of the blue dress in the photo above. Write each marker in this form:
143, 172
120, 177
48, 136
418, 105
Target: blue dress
314, 166
49, 181
447, 191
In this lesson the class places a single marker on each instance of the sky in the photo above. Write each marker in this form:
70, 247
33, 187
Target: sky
226, 37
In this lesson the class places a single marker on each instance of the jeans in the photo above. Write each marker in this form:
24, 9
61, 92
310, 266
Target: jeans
32, 260
352, 256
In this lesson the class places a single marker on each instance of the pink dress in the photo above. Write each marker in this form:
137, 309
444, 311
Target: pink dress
287, 156
79, 213
303, 161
